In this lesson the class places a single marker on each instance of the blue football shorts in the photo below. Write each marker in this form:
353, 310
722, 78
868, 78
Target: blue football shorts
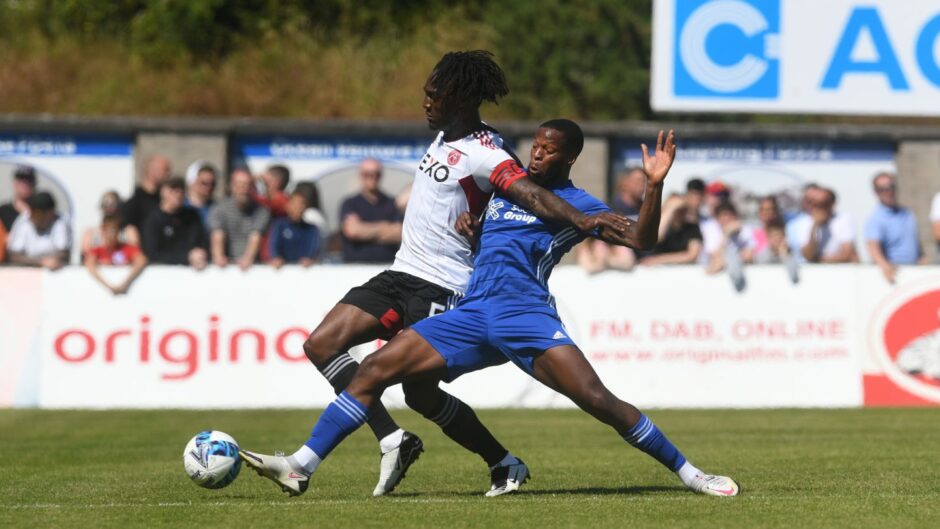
482, 333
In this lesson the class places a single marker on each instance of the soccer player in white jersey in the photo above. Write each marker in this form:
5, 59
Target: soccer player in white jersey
509, 314
460, 171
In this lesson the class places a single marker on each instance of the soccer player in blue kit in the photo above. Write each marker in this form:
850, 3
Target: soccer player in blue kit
508, 314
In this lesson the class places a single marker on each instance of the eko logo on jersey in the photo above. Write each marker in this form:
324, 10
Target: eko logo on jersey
727, 48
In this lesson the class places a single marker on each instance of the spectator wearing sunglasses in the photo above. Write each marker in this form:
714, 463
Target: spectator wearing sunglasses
891, 230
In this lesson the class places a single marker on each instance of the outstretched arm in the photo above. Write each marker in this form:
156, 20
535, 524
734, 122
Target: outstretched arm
550, 208
643, 234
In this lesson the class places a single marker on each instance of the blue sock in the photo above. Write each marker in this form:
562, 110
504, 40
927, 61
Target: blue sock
647, 437
341, 418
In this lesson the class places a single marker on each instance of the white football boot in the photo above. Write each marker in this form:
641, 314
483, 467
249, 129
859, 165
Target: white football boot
508, 478
394, 463
712, 485
277, 469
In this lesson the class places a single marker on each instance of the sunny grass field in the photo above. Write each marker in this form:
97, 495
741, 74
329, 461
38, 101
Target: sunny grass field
798, 468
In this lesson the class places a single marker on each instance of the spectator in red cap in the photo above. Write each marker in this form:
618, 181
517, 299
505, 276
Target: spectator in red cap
24, 185
113, 252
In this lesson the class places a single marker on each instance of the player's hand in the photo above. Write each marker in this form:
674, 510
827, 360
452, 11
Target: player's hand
306, 262
277, 263
468, 226
604, 221
657, 165
245, 263
220, 261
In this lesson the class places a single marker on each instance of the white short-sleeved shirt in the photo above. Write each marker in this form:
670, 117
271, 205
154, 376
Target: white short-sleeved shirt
26, 240
839, 231
935, 208
712, 237
453, 177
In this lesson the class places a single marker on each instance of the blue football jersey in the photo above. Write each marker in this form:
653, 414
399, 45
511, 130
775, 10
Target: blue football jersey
518, 251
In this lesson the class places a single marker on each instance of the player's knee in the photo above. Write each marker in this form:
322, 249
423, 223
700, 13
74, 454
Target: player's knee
370, 374
318, 348
595, 400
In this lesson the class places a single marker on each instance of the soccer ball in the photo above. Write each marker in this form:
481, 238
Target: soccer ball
211, 459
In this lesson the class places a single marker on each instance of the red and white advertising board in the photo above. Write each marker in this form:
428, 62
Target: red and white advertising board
661, 337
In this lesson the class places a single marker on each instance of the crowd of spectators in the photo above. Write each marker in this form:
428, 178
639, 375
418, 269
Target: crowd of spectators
174, 220
703, 225
264, 220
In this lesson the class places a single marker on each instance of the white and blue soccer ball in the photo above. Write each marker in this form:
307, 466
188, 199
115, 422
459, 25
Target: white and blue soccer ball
211, 459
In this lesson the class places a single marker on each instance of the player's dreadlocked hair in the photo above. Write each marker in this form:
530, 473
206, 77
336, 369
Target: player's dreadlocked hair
470, 76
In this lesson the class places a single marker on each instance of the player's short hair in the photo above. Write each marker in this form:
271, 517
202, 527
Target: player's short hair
310, 191
41, 201
695, 184
574, 137
282, 173
176, 182
25, 173
726, 207
469, 76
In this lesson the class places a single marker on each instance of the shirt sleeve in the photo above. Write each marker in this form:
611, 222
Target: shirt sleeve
17, 240
872, 231
274, 240
842, 229
261, 218
131, 252
314, 243
590, 205
148, 237
61, 235
215, 218
346, 208
497, 171
935, 208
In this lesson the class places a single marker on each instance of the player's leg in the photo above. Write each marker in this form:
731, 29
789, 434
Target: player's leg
344, 327
407, 355
459, 422
565, 369
456, 419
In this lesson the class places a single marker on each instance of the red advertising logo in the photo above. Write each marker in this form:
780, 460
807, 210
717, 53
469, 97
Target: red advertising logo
906, 341
180, 352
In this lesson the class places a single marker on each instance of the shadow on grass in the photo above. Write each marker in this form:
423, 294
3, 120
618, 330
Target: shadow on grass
588, 491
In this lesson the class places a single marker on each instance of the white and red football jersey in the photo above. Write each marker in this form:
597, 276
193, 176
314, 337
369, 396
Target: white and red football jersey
453, 177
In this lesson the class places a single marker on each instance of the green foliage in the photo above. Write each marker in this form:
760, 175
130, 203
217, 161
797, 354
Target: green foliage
576, 59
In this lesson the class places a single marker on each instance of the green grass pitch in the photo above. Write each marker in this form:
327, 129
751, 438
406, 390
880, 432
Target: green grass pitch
798, 469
